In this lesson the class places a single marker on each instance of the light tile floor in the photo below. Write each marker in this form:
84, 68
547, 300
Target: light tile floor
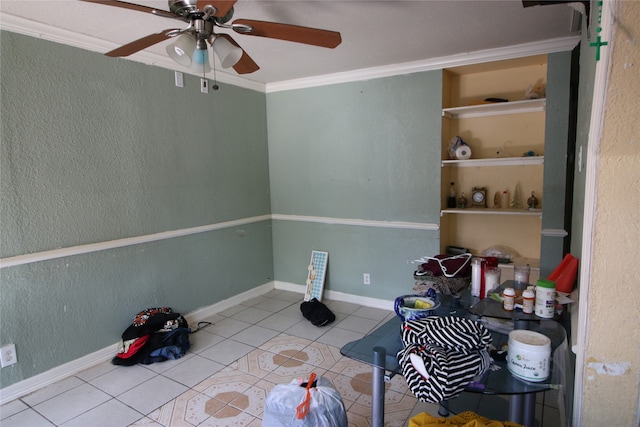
231, 367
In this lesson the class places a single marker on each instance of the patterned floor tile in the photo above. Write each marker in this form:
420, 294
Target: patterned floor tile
226, 380
257, 363
285, 342
357, 420
229, 416
252, 400
319, 354
176, 412
357, 410
393, 401
146, 422
228, 398
291, 369
349, 389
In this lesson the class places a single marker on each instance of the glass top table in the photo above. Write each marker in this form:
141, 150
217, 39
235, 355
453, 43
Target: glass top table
379, 349
491, 308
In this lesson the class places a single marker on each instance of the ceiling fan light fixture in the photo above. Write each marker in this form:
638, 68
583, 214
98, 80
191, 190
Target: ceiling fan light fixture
182, 49
228, 53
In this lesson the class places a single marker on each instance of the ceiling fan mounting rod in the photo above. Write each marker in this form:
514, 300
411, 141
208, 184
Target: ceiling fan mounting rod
201, 28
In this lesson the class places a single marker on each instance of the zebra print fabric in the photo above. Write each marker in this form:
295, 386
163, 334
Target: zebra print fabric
453, 350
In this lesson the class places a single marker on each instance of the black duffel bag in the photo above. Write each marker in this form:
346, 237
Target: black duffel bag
316, 312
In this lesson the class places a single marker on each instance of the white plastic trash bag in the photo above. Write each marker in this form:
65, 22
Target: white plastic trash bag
301, 404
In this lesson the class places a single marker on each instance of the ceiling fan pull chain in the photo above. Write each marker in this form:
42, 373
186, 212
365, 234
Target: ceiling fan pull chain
215, 81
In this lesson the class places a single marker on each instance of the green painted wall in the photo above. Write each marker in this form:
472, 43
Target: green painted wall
95, 149
367, 150
557, 160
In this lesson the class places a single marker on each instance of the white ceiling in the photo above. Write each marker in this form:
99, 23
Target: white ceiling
374, 33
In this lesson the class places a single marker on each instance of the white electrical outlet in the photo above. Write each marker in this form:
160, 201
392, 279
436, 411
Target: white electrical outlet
8, 355
366, 279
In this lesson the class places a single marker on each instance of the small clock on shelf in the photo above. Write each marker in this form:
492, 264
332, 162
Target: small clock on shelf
479, 197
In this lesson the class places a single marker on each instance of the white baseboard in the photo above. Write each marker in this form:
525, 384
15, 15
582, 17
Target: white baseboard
22, 388
31, 384
339, 296
202, 313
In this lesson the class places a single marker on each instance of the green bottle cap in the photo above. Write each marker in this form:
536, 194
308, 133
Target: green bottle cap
544, 283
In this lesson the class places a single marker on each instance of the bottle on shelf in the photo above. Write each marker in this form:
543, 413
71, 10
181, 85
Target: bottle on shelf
451, 200
462, 201
504, 199
532, 202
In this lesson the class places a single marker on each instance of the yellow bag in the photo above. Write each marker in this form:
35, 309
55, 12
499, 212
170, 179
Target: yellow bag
464, 419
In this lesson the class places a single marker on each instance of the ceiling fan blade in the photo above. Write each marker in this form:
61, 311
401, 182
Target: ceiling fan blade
292, 33
140, 44
245, 65
222, 6
131, 6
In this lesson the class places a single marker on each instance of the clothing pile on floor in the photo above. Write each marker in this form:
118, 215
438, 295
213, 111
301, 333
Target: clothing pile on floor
157, 334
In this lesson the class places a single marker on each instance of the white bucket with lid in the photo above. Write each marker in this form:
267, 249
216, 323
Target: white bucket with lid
529, 355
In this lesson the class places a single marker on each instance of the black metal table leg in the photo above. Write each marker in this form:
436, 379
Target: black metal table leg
516, 403
529, 410
377, 394
443, 408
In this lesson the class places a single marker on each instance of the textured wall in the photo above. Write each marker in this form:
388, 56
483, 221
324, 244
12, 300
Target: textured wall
556, 161
96, 149
610, 394
369, 151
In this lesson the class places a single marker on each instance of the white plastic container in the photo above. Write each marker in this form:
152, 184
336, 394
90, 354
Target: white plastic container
545, 298
491, 279
521, 273
529, 355
476, 276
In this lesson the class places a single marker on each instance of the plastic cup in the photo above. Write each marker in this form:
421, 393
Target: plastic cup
491, 278
521, 273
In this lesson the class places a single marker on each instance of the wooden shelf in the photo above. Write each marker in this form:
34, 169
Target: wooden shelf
490, 211
497, 108
503, 161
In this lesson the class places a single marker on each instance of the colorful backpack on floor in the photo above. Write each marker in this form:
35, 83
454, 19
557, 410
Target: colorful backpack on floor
157, 334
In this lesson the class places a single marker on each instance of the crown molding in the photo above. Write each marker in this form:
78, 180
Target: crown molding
46, 32
469, 58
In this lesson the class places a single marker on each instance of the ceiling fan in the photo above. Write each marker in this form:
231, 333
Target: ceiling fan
203, 16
